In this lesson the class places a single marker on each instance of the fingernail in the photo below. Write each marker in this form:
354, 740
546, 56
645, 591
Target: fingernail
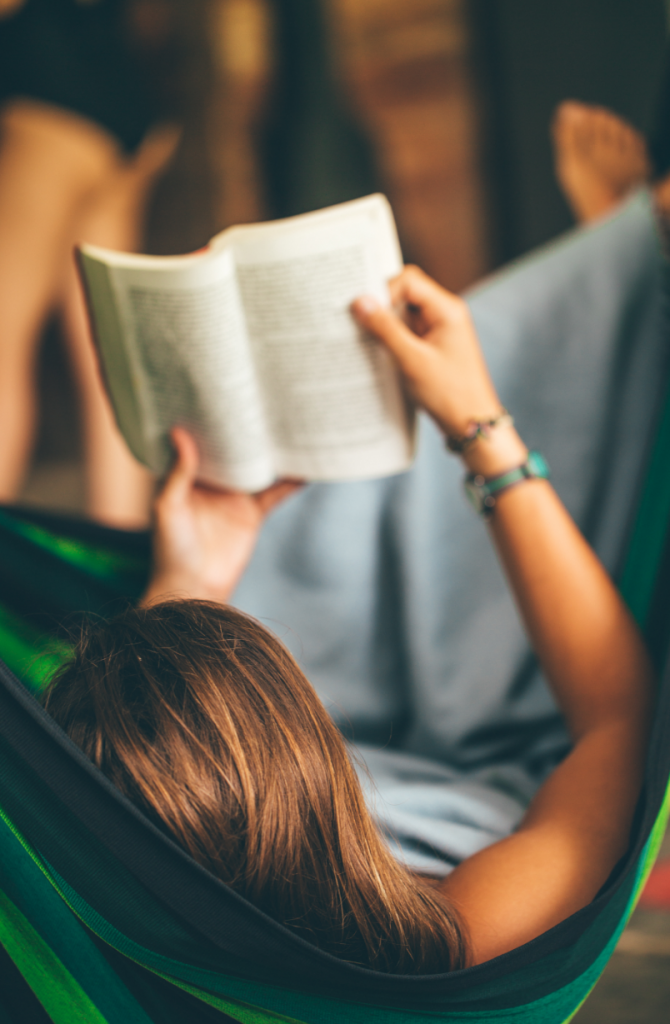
366, 304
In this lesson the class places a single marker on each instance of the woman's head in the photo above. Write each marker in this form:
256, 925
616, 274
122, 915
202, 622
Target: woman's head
201, 716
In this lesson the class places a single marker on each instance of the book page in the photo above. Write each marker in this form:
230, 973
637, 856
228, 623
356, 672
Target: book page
187, 355
333, 399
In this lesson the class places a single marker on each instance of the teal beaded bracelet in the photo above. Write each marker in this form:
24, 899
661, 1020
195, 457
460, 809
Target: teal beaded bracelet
483, 493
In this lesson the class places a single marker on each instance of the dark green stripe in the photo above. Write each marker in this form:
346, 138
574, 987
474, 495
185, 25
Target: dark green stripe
73, 959
94, 559
59, 993
651, 526
30, 653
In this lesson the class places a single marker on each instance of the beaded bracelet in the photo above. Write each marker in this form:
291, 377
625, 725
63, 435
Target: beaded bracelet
479, 429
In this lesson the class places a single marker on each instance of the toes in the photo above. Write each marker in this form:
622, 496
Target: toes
570, 111
567, 120
601, 127
618, 142
597, 133
599, 157
617, 132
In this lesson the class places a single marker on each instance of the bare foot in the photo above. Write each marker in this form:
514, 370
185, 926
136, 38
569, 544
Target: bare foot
599, 158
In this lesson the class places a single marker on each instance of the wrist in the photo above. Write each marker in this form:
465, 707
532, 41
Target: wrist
182, 586
485, 493
496, 453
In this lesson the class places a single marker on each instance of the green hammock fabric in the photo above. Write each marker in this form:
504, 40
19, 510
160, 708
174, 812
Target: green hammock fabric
648, 540
110, 950
66, 970
60, 564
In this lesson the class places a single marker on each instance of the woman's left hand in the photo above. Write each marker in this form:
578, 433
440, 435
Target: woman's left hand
203, 537
438, 353
437, 349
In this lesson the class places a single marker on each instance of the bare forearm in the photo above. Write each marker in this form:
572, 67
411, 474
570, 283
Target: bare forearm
579, 822
578, 625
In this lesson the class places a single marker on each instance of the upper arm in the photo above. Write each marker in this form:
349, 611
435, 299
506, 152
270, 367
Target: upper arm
574, 833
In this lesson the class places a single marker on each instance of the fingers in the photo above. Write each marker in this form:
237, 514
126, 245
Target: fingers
387, 326
429, 306
181, 477
413, 287
277, 493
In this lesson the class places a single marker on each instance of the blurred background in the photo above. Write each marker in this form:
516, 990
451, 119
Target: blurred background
445, 105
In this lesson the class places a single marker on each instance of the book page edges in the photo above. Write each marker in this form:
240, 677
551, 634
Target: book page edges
133, 260
111, 351
342, 465
375, 203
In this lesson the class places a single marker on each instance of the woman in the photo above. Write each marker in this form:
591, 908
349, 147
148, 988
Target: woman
203, 719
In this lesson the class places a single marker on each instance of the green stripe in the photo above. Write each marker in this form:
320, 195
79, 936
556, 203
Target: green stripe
553, 1009
244, 1012
653, 846
96, 560
59, 993
159, 965
647, 861
30, 654
651, 524
27, 887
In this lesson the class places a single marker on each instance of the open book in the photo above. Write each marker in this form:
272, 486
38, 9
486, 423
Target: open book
250, 345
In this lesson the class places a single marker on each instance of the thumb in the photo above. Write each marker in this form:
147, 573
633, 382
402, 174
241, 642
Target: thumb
387, 326
277, 493
181, 477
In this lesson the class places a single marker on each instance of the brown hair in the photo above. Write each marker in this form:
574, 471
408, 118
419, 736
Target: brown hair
200, 715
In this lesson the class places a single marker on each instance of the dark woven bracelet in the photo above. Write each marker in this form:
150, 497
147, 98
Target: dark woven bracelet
478, 429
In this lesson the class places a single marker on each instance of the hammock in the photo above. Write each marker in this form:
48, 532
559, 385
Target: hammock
107, 920
103, 919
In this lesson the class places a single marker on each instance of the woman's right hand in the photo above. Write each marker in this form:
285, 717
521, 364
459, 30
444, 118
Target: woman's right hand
438, 352
203, 537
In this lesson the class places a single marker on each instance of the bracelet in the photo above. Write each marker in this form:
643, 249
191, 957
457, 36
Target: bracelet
483, 494
477, 429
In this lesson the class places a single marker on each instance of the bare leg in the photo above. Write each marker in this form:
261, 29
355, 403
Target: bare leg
8, 6
118, 487
599, 158
662, 196
50, 162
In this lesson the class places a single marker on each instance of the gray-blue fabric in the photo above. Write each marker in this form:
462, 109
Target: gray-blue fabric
388, 592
